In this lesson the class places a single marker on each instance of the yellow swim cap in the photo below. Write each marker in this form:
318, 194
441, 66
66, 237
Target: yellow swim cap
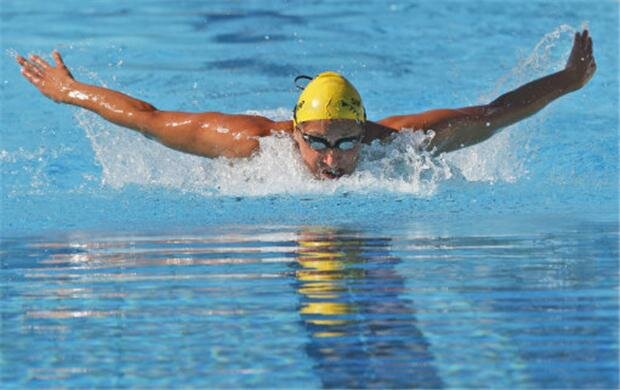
329, 96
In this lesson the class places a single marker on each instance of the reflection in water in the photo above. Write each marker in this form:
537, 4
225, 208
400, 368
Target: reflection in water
362, 333
235, 308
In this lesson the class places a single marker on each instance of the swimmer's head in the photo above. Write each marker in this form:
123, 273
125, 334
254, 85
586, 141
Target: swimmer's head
329, 96
329, 120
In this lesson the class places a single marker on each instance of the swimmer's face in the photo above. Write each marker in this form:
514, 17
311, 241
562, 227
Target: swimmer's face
330, 147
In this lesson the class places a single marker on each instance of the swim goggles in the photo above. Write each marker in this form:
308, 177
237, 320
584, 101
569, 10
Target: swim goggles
321, 144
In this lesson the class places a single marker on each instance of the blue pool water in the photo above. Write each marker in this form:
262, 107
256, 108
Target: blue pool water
126, 264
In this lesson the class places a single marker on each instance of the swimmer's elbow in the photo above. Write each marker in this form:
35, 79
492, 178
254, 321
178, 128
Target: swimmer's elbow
147, 120
145, 107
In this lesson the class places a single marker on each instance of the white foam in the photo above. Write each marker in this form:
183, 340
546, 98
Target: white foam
493, 160
128, 158
399, 166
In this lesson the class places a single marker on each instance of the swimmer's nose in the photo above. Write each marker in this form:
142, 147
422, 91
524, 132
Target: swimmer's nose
328, 158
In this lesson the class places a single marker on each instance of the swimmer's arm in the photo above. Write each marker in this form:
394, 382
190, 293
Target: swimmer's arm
458, 128
208, 134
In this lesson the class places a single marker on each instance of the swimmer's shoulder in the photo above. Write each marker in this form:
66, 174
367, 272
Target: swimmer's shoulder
282, 127
377, 131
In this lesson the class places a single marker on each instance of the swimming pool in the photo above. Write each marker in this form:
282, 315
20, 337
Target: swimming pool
127, 264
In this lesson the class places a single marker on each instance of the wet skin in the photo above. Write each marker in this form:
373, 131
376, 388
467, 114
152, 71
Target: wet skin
330, 162
216, 134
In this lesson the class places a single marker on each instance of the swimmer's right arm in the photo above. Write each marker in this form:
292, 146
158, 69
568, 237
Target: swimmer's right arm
209, 134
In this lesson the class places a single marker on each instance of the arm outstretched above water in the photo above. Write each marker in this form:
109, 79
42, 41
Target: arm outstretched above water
210, 134
457, 128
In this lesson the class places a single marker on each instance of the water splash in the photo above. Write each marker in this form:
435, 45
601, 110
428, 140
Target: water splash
544, 58
128, 158
502, 158
399, 166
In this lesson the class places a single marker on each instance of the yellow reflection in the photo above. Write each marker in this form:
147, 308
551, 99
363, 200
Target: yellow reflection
326, 262
328, 334
328, 322
326, 308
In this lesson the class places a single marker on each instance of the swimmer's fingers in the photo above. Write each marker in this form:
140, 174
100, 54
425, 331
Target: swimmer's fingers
586, 42
58, 59
585, 37
60, 64
587, 48
576, 39
29, 67
21, 60
581, 64
579, 51
30, 72
51, 81
31, 77
39, 61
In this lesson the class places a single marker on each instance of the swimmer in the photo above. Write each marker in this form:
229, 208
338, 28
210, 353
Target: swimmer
329, 120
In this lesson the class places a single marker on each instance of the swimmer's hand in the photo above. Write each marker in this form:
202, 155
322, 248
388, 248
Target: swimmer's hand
55, 82
457, 128
581, 65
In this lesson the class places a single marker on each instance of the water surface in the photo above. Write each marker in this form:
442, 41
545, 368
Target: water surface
126, 264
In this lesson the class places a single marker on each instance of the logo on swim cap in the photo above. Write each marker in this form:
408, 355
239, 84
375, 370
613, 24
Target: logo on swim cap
329, 96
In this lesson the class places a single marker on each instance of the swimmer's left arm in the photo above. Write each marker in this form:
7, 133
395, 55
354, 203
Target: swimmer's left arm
209, 134
457, 128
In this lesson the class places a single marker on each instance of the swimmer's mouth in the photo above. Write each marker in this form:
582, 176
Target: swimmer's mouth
330, 173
